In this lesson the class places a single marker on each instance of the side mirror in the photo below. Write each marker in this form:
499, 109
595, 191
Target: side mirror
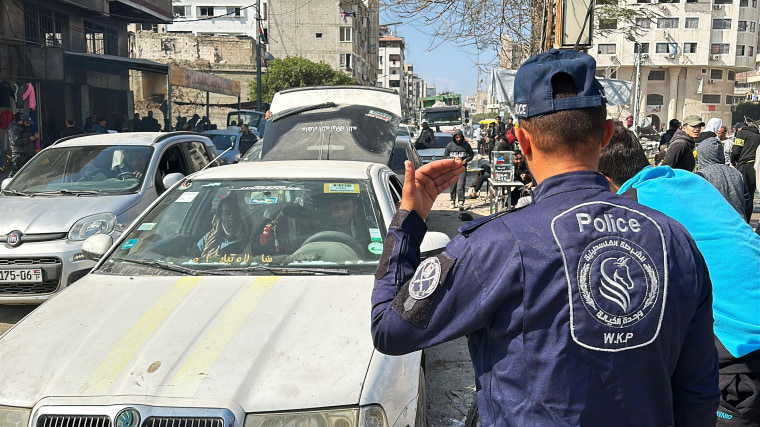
236, 158
433, 243
95, 246
5, 183
171, 179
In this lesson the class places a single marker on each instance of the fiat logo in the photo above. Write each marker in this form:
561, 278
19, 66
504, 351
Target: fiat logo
13, 239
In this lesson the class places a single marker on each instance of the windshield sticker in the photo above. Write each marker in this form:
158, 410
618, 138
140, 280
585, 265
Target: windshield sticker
129, 243
380, 115
263, 200
223, 259
274, 187
342, 188
212, 184
185, 185
375, 248
187, 197
374, 235
146, 226
331, 128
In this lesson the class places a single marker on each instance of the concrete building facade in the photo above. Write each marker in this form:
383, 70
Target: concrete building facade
74, 54
690, 57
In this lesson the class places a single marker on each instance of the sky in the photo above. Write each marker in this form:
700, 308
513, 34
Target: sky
448, 67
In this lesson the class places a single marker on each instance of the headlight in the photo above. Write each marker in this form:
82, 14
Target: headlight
372, 416
93, 224
333, 418
14, 417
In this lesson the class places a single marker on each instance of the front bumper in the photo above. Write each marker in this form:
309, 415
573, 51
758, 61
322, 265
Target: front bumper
55, 258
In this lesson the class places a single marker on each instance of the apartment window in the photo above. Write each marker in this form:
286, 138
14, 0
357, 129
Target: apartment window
43, 26
716, 74
264, 11
149, 27
741, 26
752, 26
606, 49
665, 48
644, 23
690, 47
319, 35
179, 11
667, 22
719, 48
205, 11
692, 23
731, 75
691, 1
644, 47
754, 4
233, 12
345, 61
710, 99
740, 50
101, 40
346, 34
751, 51
608, 24
381, 60
600, 74
743, 3
613, 74
656, 75
723, 1
721, 24
643, 1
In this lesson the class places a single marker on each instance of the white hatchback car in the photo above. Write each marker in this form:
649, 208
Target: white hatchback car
239, 298
78, 187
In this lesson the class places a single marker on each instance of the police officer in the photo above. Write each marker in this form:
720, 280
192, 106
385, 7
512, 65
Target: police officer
583, 308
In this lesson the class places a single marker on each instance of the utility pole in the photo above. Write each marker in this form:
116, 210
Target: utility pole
258, 55
637, 94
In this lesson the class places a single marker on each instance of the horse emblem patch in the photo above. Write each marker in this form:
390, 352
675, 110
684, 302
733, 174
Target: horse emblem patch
425, 279
615, 265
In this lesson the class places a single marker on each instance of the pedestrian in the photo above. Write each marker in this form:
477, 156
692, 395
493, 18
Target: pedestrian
149, 124
100, 125
22, 142
460, 149
629, 120
674, 125
731, 250
426, 138
582, 308
71, 128
510, 123
136, 123
710, 130
89, 121
746, 143
247, 139
680, 154
501, 128
727, 180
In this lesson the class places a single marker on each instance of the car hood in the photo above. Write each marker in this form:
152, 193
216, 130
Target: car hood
267, 343
42, 214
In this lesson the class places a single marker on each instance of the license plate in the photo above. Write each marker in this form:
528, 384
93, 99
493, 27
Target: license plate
32, 275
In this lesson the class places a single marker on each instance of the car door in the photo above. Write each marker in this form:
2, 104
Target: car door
197, 155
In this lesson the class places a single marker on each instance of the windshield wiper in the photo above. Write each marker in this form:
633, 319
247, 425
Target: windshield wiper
67, 192
287, 270
18, 193
295, 111
164, 266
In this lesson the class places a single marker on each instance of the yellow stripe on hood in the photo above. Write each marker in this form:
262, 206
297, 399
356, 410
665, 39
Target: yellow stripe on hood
118, 358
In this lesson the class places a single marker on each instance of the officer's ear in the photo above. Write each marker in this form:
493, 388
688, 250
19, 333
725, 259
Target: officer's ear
526, 142
609, 130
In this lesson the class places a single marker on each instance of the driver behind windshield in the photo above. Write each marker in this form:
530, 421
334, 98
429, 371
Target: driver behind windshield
228, 234
134, 163
343, 217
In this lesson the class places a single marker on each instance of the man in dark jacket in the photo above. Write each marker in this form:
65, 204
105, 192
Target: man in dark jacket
501, 128
149, 124
743, 155
458, 148
680, 154
668, 135
22, 142
71, 128
426, 138
247, 139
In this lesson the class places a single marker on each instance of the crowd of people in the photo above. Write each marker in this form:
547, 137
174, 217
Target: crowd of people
624, 293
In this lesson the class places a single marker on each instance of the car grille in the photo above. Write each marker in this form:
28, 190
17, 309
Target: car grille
104, 421
47, 287
74, 421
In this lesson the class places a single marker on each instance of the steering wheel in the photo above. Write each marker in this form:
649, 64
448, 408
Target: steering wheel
125, 175
335, 236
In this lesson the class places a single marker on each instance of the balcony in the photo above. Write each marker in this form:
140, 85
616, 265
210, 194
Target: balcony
139, 11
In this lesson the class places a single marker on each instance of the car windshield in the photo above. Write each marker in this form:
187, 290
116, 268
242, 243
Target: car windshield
332, 132
251, 118
89, 168
402, 131
446, 117
441, 141
260, 226
223, 141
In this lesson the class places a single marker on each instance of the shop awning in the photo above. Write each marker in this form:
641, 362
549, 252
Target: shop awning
113, 60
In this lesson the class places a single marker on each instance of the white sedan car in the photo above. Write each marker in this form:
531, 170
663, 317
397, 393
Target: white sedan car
239, 298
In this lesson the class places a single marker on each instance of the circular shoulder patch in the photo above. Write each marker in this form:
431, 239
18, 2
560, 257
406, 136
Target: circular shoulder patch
425, 279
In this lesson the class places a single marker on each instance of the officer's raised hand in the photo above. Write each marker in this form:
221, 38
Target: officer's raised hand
422, 186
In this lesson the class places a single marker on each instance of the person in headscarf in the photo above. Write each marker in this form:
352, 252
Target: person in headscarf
726, 179
228, 234
710, 130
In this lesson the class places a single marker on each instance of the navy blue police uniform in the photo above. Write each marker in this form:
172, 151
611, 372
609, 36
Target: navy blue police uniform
583, 308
